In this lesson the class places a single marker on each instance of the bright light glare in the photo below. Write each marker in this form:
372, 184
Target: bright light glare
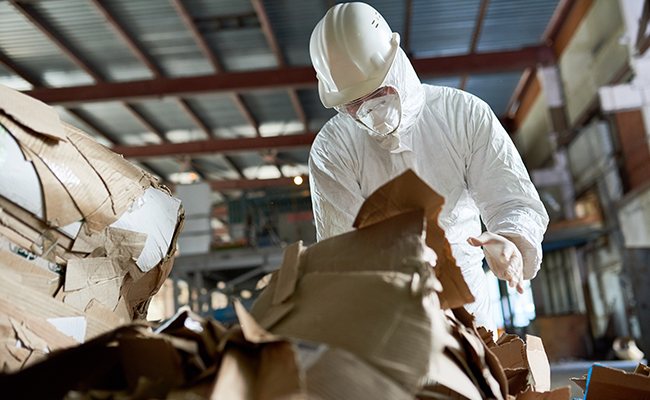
297, 180
192, 176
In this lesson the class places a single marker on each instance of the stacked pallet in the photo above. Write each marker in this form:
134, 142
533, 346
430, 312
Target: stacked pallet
86, 238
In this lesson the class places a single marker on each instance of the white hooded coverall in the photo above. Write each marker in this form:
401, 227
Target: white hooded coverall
455, 143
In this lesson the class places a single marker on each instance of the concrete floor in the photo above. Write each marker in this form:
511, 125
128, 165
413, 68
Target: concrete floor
562, 373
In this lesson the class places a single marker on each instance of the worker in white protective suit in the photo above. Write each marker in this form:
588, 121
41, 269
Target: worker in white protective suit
389, 122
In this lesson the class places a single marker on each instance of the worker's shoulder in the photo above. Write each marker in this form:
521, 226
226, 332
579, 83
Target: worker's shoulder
452, 97
338, 127
336, 133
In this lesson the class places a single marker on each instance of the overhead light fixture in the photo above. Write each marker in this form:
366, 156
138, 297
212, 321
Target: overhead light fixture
298, 180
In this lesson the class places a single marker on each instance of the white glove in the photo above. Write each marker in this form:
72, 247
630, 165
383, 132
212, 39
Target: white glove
503, 257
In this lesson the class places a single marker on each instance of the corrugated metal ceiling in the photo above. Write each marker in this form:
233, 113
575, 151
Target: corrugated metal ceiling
233, 33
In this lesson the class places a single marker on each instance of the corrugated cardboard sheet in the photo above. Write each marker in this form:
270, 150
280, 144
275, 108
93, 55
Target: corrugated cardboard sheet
66, 272
613, 384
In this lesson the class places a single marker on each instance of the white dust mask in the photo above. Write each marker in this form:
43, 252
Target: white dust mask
381, 115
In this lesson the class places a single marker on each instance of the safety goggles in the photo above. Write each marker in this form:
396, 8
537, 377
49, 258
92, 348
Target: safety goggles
356, 109
379, 111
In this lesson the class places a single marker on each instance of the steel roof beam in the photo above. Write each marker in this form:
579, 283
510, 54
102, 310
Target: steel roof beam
408, 13
57, 39
198, 38
268, 31
128, 39
216, 64
206, 129
247, 184
251, 184
155, 171
478, 25
294, 77
643, 40
145, 122
223, 146
31, 79
300, 111
275, 47
82, 115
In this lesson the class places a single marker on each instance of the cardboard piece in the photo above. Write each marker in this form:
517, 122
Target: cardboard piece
38, 325
106, 292
515, 355
154, 215
27, 338
98, 310
73, 173
75, 327
59, 208
487, 374
642, 369
43, 306
11, 249
45, 244
28, 274
288, 273
111, 242
20, 184
406, 193
563, 393
538, 363
101, 184
338, 296
89, 272
338, 374
32, 113
611, 383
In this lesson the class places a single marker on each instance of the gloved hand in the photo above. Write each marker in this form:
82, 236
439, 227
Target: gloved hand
503, 257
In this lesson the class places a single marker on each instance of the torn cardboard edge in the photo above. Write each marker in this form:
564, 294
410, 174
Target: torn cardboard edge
111, 184
603, 383
41, 305
563, 393
389, 200
39, 326
524, 363
31, 113
45, 244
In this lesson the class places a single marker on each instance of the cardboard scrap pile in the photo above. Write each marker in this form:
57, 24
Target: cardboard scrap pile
359, 316
86, 238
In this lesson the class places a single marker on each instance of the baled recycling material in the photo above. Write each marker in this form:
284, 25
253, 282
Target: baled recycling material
356, 316
86, 237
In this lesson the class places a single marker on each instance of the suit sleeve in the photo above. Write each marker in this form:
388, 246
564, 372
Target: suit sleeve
501, 187
335, 193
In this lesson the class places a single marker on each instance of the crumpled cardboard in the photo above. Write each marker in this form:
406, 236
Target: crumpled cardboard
525, 364
352, 292
603, 382
356, 316
69, 255
408, 192
194, 358
376, 301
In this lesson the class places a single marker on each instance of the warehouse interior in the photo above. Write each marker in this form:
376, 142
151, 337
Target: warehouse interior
219, 101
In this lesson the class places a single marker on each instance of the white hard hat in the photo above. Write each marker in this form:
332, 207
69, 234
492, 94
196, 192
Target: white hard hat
352, 49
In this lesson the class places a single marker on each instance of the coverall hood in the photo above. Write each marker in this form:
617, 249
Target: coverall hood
402, 77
